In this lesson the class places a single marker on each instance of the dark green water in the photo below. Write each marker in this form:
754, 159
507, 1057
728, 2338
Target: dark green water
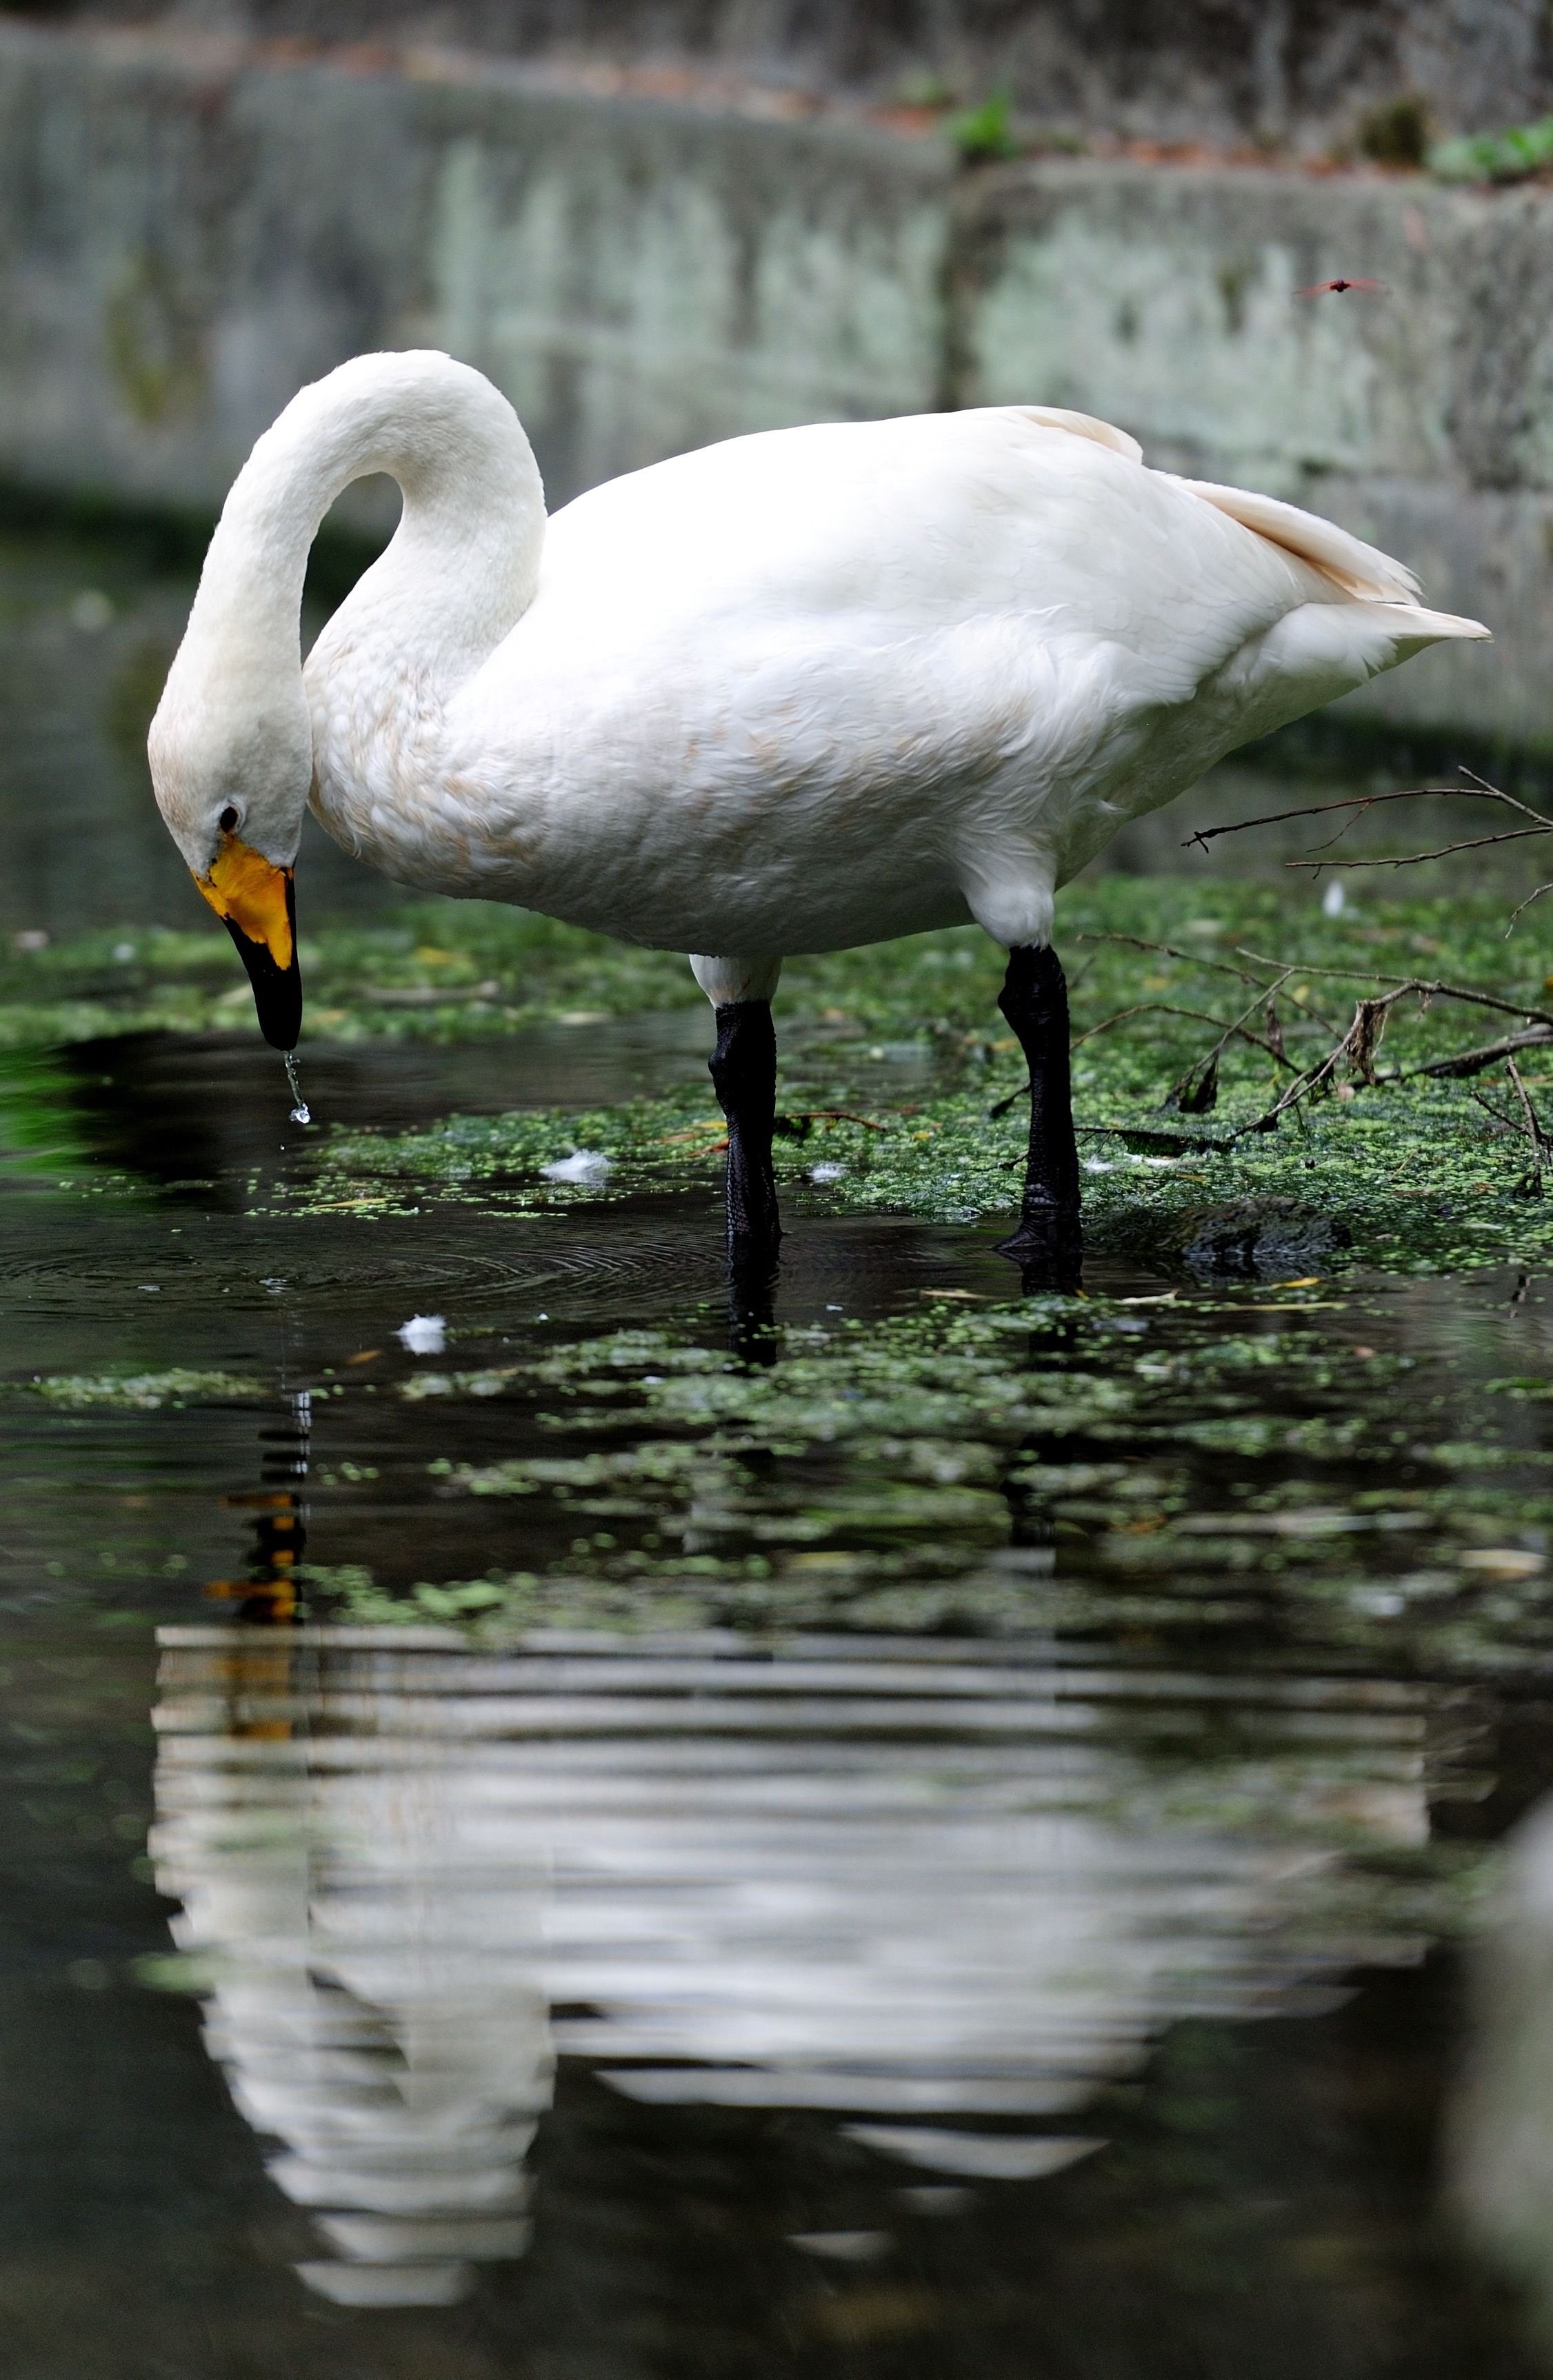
910, 1835
1066, 1976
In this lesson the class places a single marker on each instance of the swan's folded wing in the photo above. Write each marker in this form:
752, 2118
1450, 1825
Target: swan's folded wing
1082, 425
1361, 570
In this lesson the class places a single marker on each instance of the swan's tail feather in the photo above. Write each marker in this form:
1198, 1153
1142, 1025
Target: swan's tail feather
1322, 650
1420, 627
1354, 641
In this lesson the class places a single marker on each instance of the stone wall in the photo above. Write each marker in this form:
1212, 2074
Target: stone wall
1422, 419
186, 239
187, 234
1285, 70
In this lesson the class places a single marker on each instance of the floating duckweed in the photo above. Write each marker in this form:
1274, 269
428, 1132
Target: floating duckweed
1418, 1176
140, 1391
987, 1469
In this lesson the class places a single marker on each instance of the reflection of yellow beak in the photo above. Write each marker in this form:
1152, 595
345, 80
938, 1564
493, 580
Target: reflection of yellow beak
253, 894
257, 902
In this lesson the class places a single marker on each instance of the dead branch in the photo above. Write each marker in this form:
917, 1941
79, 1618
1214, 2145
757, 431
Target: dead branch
1464, 1062
1526, 904
1426, 989
1222, 966
1285, 970
1530, 1183
798, 1126
1354, 1047
1479, 792
1154, 1008
1235, 1029
1169, 951
1497, 1117
1197, 1091
1415, 858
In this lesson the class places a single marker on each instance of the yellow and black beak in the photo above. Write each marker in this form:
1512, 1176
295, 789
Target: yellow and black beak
257, 902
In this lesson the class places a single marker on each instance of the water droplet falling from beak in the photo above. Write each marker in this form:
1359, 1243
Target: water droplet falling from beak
302, 1113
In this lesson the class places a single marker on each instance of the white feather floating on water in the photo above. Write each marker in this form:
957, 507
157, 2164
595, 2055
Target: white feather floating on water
585, 1166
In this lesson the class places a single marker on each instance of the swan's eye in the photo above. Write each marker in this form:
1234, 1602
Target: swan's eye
228, 819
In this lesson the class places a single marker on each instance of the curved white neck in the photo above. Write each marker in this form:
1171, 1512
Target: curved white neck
462, 565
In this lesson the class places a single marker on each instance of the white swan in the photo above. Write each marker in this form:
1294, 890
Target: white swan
801, 690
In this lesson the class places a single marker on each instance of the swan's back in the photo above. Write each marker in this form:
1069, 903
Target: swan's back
932, 518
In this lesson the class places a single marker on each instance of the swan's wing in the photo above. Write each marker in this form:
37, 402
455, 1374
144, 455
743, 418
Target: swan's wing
1359, 569
927, 524
1082, 425
937, 520
969, 587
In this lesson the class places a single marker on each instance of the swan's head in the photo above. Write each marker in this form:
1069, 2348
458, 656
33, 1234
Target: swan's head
232, 779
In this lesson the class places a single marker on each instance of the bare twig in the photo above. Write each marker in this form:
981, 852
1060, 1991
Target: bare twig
1501, 1121
1463, 1062
1479, 792
796, 1126
1197, 1091
1156, 1008
1168, 950
1198, 1016
1283, 969
1415, 858
1426, 989
1530, 1184
1526, 904
1356, 1046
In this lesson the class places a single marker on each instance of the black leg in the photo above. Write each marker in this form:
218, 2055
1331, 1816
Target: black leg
743, 1076
1048, 1245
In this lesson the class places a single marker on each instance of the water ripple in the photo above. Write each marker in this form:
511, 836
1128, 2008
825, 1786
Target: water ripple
924, 1891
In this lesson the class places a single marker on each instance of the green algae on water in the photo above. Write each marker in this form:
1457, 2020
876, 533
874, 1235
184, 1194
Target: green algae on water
139, 1392
899, 1088
1208, 1472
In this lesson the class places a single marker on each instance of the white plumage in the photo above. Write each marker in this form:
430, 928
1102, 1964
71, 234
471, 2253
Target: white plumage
797, 691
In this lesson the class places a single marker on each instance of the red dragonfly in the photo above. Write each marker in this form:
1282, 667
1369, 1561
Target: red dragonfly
1336, 288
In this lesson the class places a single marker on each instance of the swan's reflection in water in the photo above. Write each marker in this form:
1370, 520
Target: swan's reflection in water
939, 1892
